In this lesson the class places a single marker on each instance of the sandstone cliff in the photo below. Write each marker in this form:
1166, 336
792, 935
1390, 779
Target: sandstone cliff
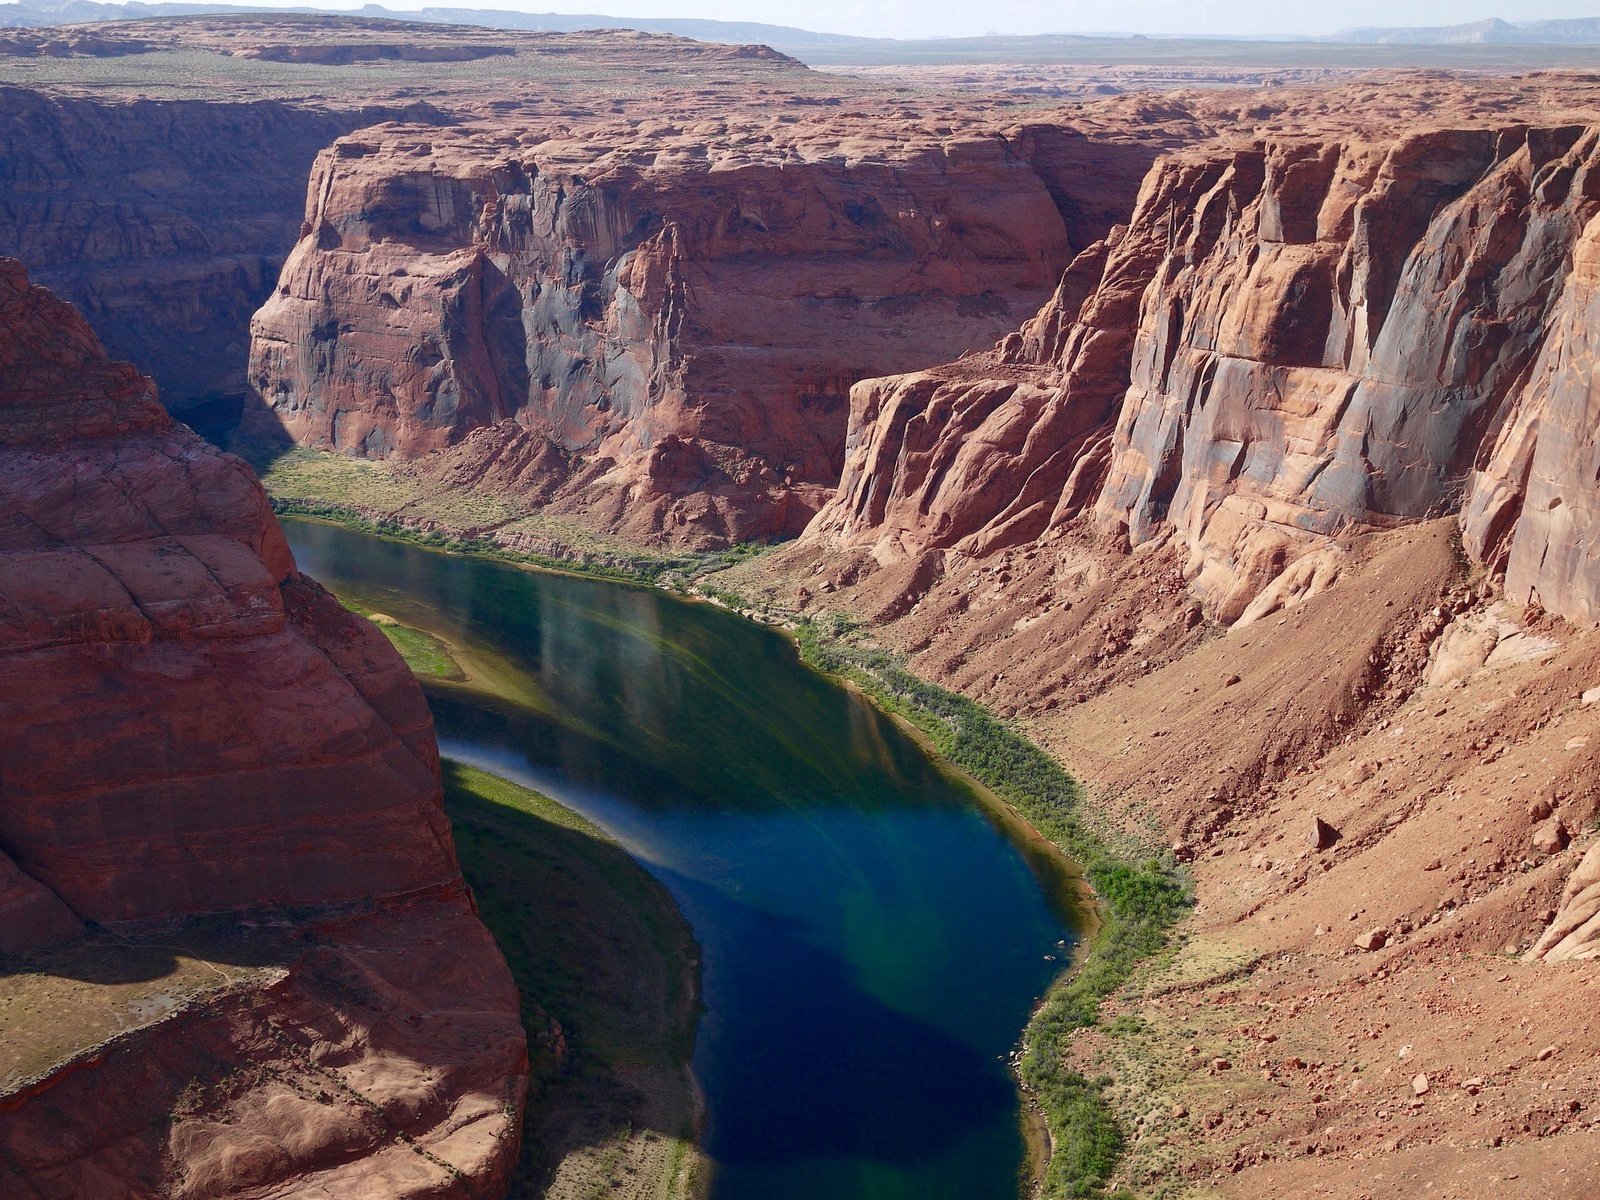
678, 310
165, 222
1285, 342
188, 726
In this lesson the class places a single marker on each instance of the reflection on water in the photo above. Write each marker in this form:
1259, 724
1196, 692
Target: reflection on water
872, 941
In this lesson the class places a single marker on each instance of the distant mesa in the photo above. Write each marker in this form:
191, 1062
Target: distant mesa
68, 12
1576, 31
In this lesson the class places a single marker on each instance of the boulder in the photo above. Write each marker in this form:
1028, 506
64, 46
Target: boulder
1372, 939
1321, 835
1551, 837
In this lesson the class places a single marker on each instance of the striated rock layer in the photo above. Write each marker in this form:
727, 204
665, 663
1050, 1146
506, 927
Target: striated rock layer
189, 726
165, 222
1286, 342
678, 311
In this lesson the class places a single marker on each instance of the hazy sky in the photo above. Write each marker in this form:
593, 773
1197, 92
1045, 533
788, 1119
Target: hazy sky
938, 18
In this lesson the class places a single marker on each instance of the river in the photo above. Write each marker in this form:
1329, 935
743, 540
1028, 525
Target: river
873, 936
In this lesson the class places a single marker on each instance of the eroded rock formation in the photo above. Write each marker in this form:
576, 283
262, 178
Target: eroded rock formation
189, 726
1286, 342
1575, 931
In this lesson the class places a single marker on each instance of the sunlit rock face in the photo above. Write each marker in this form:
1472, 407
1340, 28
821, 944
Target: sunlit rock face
679, 312
1285, 342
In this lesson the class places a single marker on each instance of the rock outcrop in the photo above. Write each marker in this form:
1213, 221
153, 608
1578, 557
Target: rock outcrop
189, 726
679, 310
1575, 931
1287, 341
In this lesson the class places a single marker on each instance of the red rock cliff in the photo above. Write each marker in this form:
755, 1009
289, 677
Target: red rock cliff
189, 726
681, 311
1285, 341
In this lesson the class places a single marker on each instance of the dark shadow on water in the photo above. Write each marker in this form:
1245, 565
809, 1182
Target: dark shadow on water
840, 753
606, 966
813, 1060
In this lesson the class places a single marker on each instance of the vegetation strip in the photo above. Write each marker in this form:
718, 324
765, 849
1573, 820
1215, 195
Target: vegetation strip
671, 571
1140, 901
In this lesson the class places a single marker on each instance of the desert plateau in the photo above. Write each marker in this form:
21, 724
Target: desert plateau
690, 609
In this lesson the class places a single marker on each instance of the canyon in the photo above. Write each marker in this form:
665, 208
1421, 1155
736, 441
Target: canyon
678, 320
1277, 525
1233, 437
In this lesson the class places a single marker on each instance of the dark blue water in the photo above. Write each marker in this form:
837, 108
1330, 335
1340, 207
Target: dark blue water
873, 939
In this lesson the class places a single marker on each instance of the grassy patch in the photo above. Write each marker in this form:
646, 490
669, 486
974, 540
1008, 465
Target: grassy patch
373, 498
427, 656
1139, 900
619, 568
608, 971
674, 572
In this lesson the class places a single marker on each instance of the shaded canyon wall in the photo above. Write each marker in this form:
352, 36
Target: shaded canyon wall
164, 222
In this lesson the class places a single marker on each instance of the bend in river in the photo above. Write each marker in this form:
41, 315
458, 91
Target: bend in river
873, 938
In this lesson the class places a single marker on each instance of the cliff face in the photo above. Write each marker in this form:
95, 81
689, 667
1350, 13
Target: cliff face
165, 222
680, 313
1285, 342
1534, 507
189, 726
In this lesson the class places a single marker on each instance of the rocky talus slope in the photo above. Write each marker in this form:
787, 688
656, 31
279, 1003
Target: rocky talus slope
1276, 525
191, 730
